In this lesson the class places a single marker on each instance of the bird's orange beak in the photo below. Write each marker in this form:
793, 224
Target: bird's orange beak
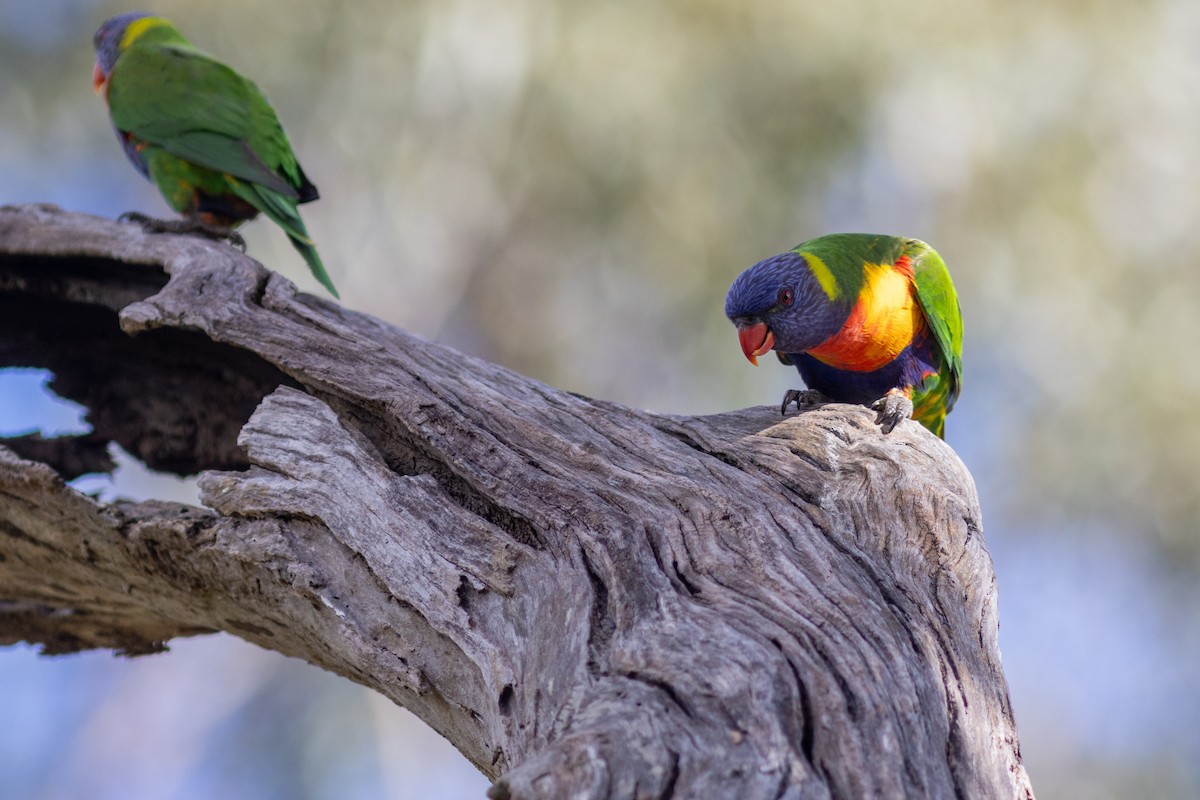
98, 78
756, 340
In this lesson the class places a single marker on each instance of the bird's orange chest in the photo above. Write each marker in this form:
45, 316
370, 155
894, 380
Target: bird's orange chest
883, 321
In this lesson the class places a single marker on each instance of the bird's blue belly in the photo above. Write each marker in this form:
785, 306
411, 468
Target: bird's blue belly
908, 369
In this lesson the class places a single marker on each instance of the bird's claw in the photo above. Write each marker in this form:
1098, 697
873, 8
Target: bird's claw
218, 233
891, 408
802, 399
234, 238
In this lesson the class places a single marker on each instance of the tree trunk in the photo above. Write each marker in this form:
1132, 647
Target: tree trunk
588, 600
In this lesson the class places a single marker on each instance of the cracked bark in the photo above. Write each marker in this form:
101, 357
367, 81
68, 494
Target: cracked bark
588, 600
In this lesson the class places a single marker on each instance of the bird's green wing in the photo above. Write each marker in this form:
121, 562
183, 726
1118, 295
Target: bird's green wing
939, 301
196, 108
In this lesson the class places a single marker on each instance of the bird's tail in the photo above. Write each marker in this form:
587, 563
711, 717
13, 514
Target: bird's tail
932, 400
309, 252
282, 211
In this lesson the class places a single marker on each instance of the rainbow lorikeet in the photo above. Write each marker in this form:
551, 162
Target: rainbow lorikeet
202, 133
864, 318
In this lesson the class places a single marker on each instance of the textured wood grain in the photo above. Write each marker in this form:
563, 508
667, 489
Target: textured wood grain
588, 600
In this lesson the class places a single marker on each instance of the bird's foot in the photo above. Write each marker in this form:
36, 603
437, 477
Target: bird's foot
891, 408
220, 233
802, 399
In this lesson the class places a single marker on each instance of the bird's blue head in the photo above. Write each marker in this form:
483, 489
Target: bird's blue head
778, 304
107, 42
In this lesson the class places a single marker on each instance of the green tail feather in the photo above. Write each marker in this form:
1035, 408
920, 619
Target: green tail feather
309, 252
933, 399
282, 211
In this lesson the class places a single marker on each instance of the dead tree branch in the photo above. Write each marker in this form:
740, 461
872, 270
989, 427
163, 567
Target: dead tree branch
588, 600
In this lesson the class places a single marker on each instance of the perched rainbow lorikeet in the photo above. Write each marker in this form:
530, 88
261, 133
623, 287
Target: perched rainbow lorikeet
864, 318
202, 133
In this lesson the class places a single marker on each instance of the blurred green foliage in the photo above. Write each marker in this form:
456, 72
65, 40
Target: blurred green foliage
568, 188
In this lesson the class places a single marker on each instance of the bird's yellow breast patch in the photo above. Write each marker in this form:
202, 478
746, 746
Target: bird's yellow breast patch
882, 323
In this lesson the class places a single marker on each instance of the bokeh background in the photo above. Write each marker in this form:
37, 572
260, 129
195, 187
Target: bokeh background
568, 188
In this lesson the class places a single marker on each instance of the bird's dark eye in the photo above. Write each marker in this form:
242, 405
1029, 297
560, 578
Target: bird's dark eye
786, 297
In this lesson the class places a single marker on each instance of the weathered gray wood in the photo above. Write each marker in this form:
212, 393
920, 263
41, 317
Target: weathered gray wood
588, 600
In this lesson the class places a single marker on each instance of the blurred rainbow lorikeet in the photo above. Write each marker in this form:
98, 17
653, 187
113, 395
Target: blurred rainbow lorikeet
864, 318
202, 133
